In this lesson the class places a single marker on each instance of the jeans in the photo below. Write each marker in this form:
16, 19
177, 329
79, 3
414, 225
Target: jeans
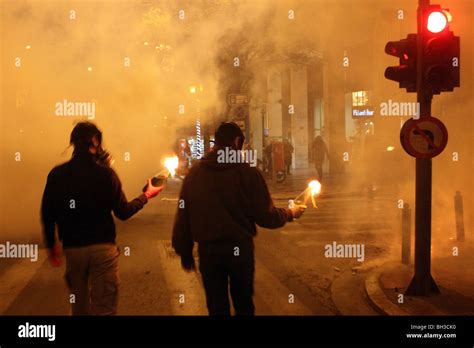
225, 265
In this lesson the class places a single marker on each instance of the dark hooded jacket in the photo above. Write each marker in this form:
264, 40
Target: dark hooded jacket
95, 190
221, 202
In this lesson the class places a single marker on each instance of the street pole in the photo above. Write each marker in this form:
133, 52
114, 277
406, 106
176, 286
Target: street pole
406, 234
459, 213
422, 283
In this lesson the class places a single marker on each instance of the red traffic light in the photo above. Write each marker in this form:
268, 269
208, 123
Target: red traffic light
404, 49
405, 72
437, 22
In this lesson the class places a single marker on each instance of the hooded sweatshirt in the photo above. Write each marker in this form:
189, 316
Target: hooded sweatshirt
79, 197
223, 202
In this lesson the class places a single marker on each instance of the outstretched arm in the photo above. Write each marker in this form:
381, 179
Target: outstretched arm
120, 206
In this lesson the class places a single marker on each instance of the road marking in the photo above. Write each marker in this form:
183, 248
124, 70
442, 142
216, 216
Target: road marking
181, 283
275, 295
270, 293
16, 277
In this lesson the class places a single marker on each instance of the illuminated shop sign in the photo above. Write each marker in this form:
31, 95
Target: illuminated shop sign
363, 111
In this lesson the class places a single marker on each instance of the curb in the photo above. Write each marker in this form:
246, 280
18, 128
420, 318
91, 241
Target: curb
376, 296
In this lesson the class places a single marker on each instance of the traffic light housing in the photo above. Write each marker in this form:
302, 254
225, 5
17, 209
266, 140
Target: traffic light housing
440, 55
441, 52
405, 73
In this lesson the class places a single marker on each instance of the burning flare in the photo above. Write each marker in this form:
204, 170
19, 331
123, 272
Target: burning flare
313, 189
171, 163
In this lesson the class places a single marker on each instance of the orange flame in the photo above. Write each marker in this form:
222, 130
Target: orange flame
171, 163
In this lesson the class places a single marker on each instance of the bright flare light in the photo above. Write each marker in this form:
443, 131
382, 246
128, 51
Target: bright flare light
171, 163
437, 21
315, 187
390, 148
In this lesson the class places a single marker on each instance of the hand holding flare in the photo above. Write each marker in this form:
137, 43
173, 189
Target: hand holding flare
157, 183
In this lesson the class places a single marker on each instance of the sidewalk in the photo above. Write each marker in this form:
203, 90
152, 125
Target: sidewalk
453, 275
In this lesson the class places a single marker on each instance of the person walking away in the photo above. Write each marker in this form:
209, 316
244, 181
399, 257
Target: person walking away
288, 155
268, 156
320, 153
79, 197
219, 205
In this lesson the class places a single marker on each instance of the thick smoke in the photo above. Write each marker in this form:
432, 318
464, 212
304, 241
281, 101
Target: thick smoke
136, 60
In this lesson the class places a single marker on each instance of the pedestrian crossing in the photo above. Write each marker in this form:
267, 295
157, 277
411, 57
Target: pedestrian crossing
22, 284
16, 277
188, 298
357, 214
27, 281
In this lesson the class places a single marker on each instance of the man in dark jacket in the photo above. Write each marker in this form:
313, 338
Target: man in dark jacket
320, 153
79, 197
220, 203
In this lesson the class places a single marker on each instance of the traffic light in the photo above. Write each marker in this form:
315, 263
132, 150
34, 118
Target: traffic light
441, 51
405, 73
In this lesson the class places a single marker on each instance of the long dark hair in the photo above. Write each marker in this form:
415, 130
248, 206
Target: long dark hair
82, 137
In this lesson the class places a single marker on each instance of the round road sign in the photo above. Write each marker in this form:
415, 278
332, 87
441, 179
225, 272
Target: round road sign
425, 137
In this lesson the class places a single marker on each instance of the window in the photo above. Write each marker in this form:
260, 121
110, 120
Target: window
360, 98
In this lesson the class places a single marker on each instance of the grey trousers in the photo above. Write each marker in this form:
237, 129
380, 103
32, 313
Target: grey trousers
92, 278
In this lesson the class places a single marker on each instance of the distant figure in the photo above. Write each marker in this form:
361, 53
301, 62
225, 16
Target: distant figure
320, 152
79, 197
288, 155
268, 150
184, 153
220, 203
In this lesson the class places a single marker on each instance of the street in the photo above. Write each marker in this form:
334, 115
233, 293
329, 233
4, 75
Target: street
293, 276
236, 171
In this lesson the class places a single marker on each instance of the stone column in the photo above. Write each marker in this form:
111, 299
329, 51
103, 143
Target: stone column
274, 104
299, 120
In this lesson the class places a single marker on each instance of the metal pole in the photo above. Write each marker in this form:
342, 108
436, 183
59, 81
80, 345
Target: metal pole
422, 283
406, 234
459, 212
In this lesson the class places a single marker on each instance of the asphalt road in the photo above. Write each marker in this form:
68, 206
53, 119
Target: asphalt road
294, 276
